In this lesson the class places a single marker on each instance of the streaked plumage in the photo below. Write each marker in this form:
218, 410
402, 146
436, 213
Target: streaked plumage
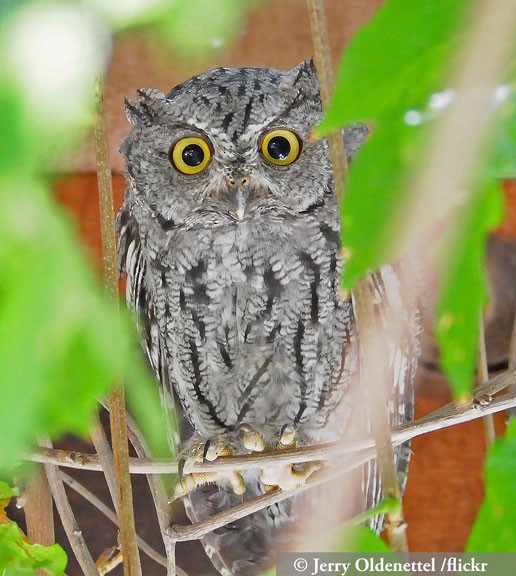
238, 309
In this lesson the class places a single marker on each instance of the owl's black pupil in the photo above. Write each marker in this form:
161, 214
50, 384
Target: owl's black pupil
278, 148
193, 155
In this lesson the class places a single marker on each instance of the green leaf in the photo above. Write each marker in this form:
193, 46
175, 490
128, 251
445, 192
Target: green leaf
397, 61
371, 211
17, 556
495, 526
6, 492
464, 287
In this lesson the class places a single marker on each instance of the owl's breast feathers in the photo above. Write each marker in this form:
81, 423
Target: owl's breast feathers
243, 318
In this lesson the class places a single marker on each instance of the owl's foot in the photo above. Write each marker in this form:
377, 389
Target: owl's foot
286, 477
202, 451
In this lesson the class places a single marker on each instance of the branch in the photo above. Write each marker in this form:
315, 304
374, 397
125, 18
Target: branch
159, 496
108, 513
483, 403
483, 376
322, 57
68, 520
124, 507
374, 364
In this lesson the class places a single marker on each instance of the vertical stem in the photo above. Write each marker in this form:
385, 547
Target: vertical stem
375, 367
512, 364
374, 375
73, 532
118, 422
483, 377
322, 57
39, 512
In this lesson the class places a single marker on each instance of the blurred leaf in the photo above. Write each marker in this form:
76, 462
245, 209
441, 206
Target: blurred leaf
464, 287
502, 157
197, 27
370, 209
495, 527
363, 539
17, 554
394, 75
396, 61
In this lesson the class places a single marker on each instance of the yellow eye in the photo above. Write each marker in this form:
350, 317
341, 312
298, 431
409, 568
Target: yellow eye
281, 147
190, 155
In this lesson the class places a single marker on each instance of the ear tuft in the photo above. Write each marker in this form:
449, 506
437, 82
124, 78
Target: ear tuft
144, 108
302, 80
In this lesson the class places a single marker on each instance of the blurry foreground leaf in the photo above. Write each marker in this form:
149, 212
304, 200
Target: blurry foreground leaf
64, 343
464, 287
395, 75
17, 555
495, 527
197, 27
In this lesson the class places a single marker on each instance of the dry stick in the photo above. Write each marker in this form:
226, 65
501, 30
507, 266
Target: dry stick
512, 363
125, 510
110, 515
374, 372
159, 496
38, 510
375, 367
322, 57
483, 376
68, 521
105, 456
446, 416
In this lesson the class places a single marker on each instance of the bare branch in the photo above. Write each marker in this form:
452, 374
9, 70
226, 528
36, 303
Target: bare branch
483, 403
159, 496
68, 520
117, 400
322, 57
108, 513
375, 377
483, 376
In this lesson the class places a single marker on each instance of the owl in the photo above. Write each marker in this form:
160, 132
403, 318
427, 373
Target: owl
229, 236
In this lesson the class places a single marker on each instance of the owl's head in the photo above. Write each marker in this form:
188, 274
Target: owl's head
235, 141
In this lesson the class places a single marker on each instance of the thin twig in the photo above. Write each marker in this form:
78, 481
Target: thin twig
159, 496
68, 520
322, 57
375, 377
105, 455
512, 364
108, 513
448, 415
118, 422
483, 376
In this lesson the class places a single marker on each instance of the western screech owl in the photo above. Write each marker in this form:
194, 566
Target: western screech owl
229, 236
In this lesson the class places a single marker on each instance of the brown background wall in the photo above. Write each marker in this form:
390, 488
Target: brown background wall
445, 483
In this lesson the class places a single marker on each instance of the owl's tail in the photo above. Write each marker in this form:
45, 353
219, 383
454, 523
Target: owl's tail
242, 548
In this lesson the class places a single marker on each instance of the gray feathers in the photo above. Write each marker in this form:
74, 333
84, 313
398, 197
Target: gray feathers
234, 272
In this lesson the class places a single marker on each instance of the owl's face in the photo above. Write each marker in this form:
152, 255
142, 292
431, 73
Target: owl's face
231, 141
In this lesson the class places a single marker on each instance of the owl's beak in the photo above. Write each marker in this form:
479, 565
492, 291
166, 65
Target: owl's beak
238, 192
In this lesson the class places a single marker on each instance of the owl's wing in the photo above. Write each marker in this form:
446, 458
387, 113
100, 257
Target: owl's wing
398, 315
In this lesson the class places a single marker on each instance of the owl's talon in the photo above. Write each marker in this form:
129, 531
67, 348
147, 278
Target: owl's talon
214, 449
289, 478
252, 439
287, 436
